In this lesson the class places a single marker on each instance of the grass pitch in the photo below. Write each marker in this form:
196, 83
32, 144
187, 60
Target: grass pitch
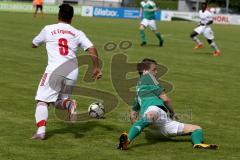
206, 92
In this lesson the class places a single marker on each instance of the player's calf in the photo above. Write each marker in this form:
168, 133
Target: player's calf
142, 35
199, 44
215, 47
70, 105
41, 116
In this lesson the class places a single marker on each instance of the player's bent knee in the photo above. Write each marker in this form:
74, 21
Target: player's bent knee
197, 127
141, 27
210, 41
189, 128
41, 103
193, 34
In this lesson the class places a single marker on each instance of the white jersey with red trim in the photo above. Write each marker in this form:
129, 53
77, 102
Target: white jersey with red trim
205, 16
62, 41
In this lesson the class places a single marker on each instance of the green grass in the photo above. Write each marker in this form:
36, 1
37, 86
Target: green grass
205, 86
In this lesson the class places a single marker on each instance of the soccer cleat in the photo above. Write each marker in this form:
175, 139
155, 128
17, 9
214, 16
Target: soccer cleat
198, 46
161, 43
216, 53
38, 136
72, 111
123, 141
143, 43
205, 146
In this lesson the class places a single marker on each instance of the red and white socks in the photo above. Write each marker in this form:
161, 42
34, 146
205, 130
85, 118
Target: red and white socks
41, 116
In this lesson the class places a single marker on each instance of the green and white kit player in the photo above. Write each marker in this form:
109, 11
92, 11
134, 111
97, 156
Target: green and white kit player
151, 107
147, 11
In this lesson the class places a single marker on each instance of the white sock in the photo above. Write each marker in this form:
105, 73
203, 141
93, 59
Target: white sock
214, 46
41, 130
195, 39
41, 114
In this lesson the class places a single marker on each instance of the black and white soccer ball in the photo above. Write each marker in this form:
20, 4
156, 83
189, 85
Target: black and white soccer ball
96, 110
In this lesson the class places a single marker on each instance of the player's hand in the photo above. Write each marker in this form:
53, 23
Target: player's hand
133, 116
174, 116
97, 73
132, 119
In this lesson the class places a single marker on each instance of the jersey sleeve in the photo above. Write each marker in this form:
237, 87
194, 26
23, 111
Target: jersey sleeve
84, 42
40, 38
136, 106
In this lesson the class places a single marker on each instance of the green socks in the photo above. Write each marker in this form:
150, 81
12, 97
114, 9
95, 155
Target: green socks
142, 36
158, 35
197, 136
137, 128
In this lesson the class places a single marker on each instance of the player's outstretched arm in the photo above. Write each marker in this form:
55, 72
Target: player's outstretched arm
168, 104
97, 73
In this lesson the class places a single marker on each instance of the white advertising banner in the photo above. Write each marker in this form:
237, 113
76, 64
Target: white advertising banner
193, 16
170, 15
226, 19
87, 11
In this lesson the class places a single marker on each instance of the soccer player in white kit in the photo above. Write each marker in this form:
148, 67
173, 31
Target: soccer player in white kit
62, 41
206, 19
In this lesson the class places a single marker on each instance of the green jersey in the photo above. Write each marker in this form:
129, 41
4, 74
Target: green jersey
148, 92
150, 15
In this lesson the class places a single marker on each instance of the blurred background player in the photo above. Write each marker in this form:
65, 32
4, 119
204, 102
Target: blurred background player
147, 11
150, 107
62, 41
206, 19
38, 4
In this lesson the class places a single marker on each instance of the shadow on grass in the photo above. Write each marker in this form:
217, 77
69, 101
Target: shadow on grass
209, 53
154, 139
152, 46
79, 130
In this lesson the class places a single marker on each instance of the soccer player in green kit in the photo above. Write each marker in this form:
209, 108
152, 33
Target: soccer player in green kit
151, 107
147, 10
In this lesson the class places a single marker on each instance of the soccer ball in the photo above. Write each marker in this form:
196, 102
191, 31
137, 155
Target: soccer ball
96, 110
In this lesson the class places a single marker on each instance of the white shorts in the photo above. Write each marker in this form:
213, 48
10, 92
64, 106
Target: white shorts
149, 23
164, 125
53, 87
206, 31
